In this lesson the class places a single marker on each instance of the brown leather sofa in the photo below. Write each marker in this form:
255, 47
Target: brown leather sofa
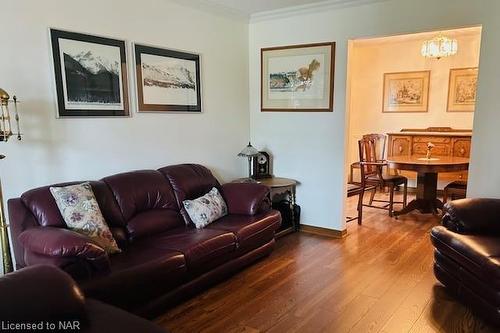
164, 259
44, 295
467, 254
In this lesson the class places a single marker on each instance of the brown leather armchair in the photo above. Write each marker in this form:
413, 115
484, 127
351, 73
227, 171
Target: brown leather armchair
467, 254
44, 295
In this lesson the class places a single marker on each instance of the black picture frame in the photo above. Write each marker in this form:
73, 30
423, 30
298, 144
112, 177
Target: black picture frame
89, 79
145, 106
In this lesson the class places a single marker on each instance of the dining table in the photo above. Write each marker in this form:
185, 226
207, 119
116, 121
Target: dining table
427, 170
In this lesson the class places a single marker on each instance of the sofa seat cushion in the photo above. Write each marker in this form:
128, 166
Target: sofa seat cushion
251, 231
203, 249
479, 254
137, 274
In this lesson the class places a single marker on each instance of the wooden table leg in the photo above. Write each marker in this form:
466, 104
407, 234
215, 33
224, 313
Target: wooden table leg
426, 201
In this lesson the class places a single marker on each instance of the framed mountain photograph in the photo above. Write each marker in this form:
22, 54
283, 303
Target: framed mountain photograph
90, 75
298, 78
406, 92
167, 80
462, 89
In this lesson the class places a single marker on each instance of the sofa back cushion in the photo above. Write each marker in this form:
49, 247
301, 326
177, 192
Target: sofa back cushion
42, 205
146, 200
189, 181
153, 221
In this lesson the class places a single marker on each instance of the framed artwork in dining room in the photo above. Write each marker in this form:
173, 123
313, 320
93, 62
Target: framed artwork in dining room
298, 78
167, 80
90, 75
406, 92
462, 89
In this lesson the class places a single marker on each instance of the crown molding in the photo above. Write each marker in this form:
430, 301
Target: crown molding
464, 32
309, 8
220, 10
215, 9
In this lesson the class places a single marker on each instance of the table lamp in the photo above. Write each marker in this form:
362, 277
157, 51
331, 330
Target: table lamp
5, 133
249, 152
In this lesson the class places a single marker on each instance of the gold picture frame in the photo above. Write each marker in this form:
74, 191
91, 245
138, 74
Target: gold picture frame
462, 89
298, 78
406, 92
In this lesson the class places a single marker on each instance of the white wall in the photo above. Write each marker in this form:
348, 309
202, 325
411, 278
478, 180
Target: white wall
311, 146
307, 146
55, 150
374, 57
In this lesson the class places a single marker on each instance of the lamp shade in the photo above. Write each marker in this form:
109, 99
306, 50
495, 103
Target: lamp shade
4, 96
249, 151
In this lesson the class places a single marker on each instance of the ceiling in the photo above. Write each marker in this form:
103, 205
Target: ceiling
452, 33
249, 7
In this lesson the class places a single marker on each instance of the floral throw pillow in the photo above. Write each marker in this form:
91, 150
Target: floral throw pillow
80, 211
206, 209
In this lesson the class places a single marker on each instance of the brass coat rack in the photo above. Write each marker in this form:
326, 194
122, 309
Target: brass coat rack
5, 133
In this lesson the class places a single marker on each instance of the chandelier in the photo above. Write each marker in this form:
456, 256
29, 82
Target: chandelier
439, 47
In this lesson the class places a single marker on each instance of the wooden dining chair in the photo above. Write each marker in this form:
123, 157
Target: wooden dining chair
380, 143
372, 174
353, 190
455, 190
358, 189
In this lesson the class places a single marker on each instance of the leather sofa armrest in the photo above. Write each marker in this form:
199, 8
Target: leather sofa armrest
40, 293
63, 243
246, 198
472, 216
108, 318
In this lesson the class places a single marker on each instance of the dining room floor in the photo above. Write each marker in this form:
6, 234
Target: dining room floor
377, 279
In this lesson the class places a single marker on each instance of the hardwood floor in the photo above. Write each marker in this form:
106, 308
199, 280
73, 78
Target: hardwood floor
377, 279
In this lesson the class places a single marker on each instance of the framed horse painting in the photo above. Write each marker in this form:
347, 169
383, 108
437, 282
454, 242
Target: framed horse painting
298, 78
